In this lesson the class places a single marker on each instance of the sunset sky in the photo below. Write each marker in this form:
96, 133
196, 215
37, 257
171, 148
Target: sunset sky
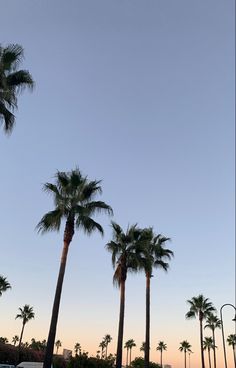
139, 94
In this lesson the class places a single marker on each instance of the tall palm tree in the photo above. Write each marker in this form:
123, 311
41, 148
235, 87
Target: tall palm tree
200, 307
107, 339
26, 314
213, 322
102, 345
4, 285
73, 196
208, 345
161, 347
186, 348
154, 256
125, 252
58, 344
231, 340
12, 82
15, 339
77, 349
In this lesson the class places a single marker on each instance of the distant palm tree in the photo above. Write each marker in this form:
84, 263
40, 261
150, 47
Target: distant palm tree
154, 256
213, 322
161, 347
208, 345
126, 346
200, 307
4, 340
107, 339
231, 340
4, 285
131, 346
142, 348
15, 339
186, 348
58, 345
102, 345
77, 349
26, 314
124, 249
12, 82
73, 196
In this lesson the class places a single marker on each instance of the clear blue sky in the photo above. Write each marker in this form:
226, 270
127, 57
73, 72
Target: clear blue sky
140, 94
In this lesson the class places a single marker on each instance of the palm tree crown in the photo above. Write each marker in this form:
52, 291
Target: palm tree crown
199, 306
185, 347
4, 285
73, 197
26, 314
212, 322
231, 340
12, 82
161, 346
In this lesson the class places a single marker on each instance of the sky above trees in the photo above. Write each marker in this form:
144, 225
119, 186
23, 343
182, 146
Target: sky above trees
139, 94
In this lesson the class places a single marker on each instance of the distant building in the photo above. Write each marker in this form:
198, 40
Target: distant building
67, 354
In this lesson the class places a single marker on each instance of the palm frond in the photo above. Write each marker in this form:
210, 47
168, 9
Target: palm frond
98, 207
50, 222
20, 80
11, 56
88, 225
7, 117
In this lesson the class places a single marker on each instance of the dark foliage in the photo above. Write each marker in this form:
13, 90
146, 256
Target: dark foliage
139, 363
83, 361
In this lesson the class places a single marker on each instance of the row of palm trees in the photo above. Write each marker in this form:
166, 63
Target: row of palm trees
104, 345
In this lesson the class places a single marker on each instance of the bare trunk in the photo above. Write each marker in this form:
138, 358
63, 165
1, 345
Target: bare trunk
214, 347
185, 360
209, 357
234, 352
161, 359
130, 356
147, 338
21, 335
127, 358
68, 234
121, 326
201, 342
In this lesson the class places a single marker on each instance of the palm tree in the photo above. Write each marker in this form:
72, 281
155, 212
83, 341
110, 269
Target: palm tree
4, 340
142, 348
74, 202
15, 339
77, 349
125, 251
12, 82
107, 339
154, 256
26, 314
131, 346
58, 345
231, 340
126, 346
4, 285
102, 345
213, 322
208, 345
186, 348
161, 347
200, 307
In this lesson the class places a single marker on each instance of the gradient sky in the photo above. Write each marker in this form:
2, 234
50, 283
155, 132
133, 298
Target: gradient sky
140, 94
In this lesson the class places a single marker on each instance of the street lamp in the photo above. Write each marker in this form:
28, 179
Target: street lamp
223, 337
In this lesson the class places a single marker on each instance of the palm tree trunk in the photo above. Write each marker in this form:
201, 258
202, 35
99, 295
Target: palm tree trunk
127, 357
214, 347
68, 235
121, 326
130, 356
21, 335
209, 357
106, 351
201, 343
161, 358
234, 352
147, 338
185, 360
